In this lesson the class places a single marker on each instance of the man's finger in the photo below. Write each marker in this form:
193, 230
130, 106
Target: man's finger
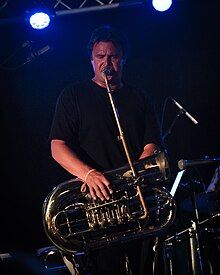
107, 184
93, 195
99, 193
104, 192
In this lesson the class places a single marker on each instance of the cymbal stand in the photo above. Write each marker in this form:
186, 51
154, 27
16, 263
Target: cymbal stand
195, 263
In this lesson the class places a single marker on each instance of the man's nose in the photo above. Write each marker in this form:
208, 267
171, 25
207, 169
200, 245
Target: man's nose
108, 61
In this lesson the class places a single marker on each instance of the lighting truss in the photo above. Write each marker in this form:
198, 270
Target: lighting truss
64, 7
13, 13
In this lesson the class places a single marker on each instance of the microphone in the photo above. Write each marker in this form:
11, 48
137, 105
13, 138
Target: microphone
184, 163
34, 54
184, 111
27, 43
108, 71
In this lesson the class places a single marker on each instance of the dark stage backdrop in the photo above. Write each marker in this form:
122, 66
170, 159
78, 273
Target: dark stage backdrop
171, 54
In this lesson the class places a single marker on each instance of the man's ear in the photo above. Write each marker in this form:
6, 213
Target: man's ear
92, 63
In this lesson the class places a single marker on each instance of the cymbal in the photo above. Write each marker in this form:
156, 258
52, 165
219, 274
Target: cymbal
207, 203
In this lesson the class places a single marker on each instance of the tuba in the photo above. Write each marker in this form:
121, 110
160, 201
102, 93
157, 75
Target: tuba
138, 207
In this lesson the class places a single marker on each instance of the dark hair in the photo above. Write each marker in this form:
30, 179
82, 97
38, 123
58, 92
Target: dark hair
107, 33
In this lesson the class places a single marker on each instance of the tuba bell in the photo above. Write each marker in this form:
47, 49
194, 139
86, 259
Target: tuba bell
139, 206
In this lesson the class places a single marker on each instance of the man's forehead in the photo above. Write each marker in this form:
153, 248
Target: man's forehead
106, 45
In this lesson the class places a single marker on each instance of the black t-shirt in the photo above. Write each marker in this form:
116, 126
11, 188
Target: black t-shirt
84, 119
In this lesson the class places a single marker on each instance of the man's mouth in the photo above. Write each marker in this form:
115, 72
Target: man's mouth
108, 71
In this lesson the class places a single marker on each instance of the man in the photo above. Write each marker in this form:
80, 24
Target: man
84, 135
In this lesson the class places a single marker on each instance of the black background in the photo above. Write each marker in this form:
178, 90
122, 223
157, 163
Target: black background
175, 53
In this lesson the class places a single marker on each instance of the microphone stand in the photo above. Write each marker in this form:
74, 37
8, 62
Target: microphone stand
121, 134
122, 138
194, 232
181, 111
168, 132
197, 267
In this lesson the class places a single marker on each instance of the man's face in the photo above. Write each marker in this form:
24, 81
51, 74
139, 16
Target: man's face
106, 54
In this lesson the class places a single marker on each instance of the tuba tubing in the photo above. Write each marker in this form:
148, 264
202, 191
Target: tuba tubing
138, 208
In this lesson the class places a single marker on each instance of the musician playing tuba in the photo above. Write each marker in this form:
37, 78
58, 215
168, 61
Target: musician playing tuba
85, 139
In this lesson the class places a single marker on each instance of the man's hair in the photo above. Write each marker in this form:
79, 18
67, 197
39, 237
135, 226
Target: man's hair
107, 33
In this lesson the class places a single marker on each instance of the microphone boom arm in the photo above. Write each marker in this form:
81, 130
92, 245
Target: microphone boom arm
184, 163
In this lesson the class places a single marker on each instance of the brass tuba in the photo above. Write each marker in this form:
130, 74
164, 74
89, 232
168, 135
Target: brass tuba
138, 207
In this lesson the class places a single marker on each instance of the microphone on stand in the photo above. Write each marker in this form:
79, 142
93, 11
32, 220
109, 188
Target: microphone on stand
36, 53
108, 71
184, 163
184, 111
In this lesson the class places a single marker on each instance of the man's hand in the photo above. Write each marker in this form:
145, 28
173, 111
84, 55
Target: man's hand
149, 150
99, 186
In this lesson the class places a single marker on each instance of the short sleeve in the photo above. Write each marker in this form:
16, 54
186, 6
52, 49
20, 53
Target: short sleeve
65, 122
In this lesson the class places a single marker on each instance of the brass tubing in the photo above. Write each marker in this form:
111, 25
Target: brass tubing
142, 202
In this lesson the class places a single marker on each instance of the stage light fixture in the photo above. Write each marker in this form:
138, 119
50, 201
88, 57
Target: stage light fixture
39, 20
161, 5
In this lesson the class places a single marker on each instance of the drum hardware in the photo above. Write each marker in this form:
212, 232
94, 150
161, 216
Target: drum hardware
5, 257
212, 229
215, 182
182, 254
195, 248
201, 202
181, 249
195, 245
51, 258
196, 236
213, 216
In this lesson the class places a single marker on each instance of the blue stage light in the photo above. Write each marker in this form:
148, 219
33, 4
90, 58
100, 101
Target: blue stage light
39, 20
162, 5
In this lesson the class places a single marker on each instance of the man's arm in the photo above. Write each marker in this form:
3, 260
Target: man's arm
98, 185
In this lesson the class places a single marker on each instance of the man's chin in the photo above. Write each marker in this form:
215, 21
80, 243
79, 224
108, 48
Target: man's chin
110, 77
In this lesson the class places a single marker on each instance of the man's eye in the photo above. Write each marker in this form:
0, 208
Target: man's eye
100, 56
